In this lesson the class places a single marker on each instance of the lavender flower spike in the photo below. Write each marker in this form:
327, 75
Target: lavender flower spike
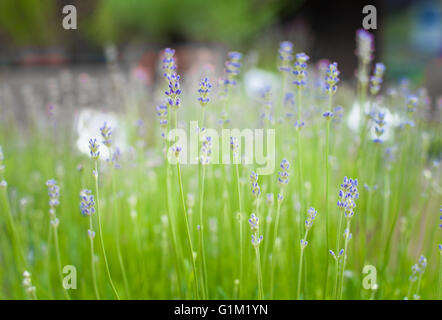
93, 147
332, 79
204, 91
87, 203
299, 71
106, 133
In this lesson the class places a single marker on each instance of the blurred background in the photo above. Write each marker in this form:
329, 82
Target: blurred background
33, 44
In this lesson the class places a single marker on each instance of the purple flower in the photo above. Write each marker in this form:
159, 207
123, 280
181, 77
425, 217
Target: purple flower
283, 178
53, 193
173, 92
311, 215
254, 222
328, 115
285, 55
203, 91
87, 202
299, 71
256, 190
206, 150
232, 68
169, 65
376, 79
332, 78
347, 196
106, 133
93, 147
256, 240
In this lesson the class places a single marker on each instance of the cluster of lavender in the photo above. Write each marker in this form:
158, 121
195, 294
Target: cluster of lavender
376, 78
162, 112
285, 55
106, 133
256, 190
311, 215
254, 226
283, 178
234, 145
169, 65
54, 202
206, 149
299, 124
204, 91
336, 256
93, 148
332, 79
379, 120
347, 196
300, 70
232, 68
417, 270
87, 207
173, 92
87, 203
266, 96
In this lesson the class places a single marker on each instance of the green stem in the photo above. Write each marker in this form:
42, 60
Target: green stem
189, 240
298, 293
241, 241
117, 231
258, 266
202, 246
345, 259
60, 269
100, 231
439, 294
94, 272
275, 234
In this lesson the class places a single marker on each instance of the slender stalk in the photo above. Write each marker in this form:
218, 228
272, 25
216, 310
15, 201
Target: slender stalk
100, 231
48, 261
171, 213
258, 266
298, 293
275, 234
338, 241
60, 269
94, 272
18, 251
327, 177
202, 246
419, 280
117, 231
189, 240
241, 240
345, 259
439, 294
186, 218
202, 172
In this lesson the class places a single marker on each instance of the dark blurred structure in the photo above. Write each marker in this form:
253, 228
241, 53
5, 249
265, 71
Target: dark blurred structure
408, 38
